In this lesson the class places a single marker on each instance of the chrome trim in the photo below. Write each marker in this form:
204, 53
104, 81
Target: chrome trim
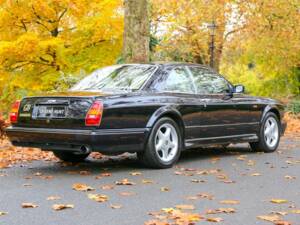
222, 125
147, 80
223, 137
78, 132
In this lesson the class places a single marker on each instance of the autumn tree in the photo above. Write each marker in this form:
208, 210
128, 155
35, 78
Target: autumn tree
45, 43
136, 31
183, 27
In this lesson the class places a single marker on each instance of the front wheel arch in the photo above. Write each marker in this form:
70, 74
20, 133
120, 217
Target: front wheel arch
270, 108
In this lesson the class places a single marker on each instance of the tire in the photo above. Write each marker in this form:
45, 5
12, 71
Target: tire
70, 156
162, 150
265, 144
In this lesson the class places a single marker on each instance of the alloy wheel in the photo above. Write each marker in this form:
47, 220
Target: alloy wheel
271, 132
166, 142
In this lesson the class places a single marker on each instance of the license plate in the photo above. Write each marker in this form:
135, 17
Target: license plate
51, 112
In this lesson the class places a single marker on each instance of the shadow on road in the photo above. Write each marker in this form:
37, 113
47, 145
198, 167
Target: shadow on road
129, 162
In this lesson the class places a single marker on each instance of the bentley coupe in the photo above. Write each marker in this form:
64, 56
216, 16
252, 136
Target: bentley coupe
156, 110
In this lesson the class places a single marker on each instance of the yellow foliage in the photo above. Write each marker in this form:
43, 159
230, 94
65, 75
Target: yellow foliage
45, 43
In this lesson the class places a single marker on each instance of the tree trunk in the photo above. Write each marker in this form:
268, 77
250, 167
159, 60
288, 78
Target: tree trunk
136, 32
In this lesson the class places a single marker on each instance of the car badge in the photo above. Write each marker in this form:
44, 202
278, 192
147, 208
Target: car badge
26, 108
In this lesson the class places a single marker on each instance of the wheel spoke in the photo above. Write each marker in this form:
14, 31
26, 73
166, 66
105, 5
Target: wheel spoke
168, 134
161, 135
159, 144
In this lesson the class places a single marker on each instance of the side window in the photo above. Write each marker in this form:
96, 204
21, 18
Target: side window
178, 80
207, 82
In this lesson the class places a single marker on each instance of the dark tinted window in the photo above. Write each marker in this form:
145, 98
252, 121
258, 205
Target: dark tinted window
208, 82
178, 80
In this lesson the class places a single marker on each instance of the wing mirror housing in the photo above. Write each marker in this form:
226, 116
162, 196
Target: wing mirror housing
239, 89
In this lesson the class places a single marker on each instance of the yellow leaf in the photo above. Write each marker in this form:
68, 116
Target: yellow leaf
279, 201
82, 187
269, 218
216, 220
98, 197
58, 207
230, 202
3, 213
188, 207
29, 205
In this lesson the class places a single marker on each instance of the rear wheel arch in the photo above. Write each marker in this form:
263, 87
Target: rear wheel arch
171, 113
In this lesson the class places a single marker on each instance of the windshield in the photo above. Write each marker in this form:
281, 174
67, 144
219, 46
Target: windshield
119, 77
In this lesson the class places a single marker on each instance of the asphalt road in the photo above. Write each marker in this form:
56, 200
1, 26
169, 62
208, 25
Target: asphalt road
233, 174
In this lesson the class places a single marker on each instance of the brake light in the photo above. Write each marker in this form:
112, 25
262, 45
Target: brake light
13, 116
94, 115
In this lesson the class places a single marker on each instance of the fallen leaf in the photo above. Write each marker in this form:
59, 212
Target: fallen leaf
105, 174
98, 197
3, 213
115, 206
147, 181
242, 157
84, 172
156, 222
124, 182
135, 173
255, 174
206, 195
289, 177
185, 207
38, 174
279, 213
107, 187
226, 210
269, 218
167, 210
295, 211
29, 205
197, 181
52, 198
215, 220
230, 202
228, 181
281, 222
279, 201
58, 207
192, 198
82, 187
127, 193
250, 163
164, 189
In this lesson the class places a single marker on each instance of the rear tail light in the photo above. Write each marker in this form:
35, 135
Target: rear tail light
13, 116
94, 115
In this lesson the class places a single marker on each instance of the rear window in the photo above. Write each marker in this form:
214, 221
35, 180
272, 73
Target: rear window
119, 77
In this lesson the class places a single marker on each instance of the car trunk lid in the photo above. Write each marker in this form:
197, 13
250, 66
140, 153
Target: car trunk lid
66, 110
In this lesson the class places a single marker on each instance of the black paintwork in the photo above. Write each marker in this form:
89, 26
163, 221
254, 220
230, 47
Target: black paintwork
129, 116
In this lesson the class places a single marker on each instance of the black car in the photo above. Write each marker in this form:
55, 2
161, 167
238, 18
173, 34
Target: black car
155, 110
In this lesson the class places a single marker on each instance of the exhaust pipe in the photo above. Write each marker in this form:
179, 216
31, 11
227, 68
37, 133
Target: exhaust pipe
85, 149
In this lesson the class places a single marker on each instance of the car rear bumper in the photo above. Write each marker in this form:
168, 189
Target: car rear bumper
106, 140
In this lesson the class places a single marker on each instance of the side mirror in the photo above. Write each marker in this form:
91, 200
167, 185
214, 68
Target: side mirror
239, 89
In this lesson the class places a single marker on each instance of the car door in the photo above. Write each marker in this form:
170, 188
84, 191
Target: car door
216, 121
248, 113
177, 83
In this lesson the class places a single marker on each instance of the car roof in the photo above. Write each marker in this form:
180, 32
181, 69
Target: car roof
167, 64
